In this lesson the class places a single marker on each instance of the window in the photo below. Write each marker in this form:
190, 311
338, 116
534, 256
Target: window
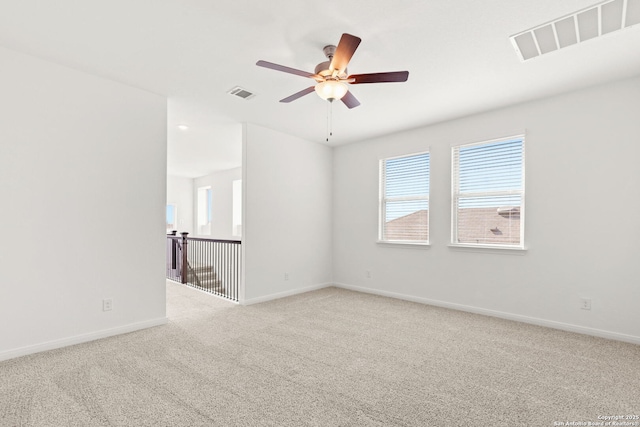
172, 220
488, 193
404, 199
237, 208
205, 201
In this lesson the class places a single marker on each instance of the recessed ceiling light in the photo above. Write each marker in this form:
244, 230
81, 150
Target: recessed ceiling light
183, 127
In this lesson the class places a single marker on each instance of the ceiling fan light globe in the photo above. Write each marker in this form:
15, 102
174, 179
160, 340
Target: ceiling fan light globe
331, 89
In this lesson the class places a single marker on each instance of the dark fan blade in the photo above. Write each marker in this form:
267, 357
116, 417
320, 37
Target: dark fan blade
350, 100
394, 76
289, 70
300, 94
346, 47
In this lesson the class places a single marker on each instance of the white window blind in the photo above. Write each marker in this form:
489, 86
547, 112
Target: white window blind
236, 208
404, 198
204, 210
488, 193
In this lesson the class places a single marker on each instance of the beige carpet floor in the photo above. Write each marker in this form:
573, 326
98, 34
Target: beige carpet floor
326, 358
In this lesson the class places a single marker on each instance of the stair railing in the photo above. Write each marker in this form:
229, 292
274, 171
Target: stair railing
211, 265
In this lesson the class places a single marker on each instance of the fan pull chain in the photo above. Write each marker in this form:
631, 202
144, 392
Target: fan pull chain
330, 119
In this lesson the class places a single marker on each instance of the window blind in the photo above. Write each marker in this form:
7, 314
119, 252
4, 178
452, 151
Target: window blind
205, 205
488, 193
404, 207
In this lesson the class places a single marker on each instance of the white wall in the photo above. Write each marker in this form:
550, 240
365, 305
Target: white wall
180, 194
582, 227
287, 223
83, 190
221, 184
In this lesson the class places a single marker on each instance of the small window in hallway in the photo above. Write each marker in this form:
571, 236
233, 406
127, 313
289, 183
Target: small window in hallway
172, 218
237, 208
205, 209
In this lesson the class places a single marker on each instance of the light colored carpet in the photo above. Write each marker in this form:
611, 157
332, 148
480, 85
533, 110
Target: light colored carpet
326, 358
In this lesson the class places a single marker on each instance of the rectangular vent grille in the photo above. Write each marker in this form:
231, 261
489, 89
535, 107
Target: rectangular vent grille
585, 24
241, 93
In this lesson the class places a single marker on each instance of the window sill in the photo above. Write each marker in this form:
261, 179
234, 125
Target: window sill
489, 249
403, 244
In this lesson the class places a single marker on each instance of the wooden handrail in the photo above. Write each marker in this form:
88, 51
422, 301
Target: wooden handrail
204, 239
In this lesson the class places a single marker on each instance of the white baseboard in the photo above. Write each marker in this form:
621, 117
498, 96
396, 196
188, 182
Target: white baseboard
279, 295
79, 339
503, 315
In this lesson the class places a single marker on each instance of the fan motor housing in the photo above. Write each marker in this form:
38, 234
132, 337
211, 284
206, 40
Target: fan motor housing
322, 68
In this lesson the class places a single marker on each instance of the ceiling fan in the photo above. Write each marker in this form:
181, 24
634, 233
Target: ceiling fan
331, 76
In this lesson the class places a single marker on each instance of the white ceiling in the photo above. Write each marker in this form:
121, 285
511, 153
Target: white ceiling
458, 54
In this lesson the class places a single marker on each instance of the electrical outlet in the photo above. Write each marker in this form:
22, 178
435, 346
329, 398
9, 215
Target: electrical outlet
585, 303
107, 304
286, 276
367, 274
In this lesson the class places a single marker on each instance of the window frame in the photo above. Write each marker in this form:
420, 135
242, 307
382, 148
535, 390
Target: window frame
455, 197
174, 206
382, 202
236, 207
204, 210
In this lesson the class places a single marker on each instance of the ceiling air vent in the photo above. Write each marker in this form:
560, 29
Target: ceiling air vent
241, 93
585, 24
